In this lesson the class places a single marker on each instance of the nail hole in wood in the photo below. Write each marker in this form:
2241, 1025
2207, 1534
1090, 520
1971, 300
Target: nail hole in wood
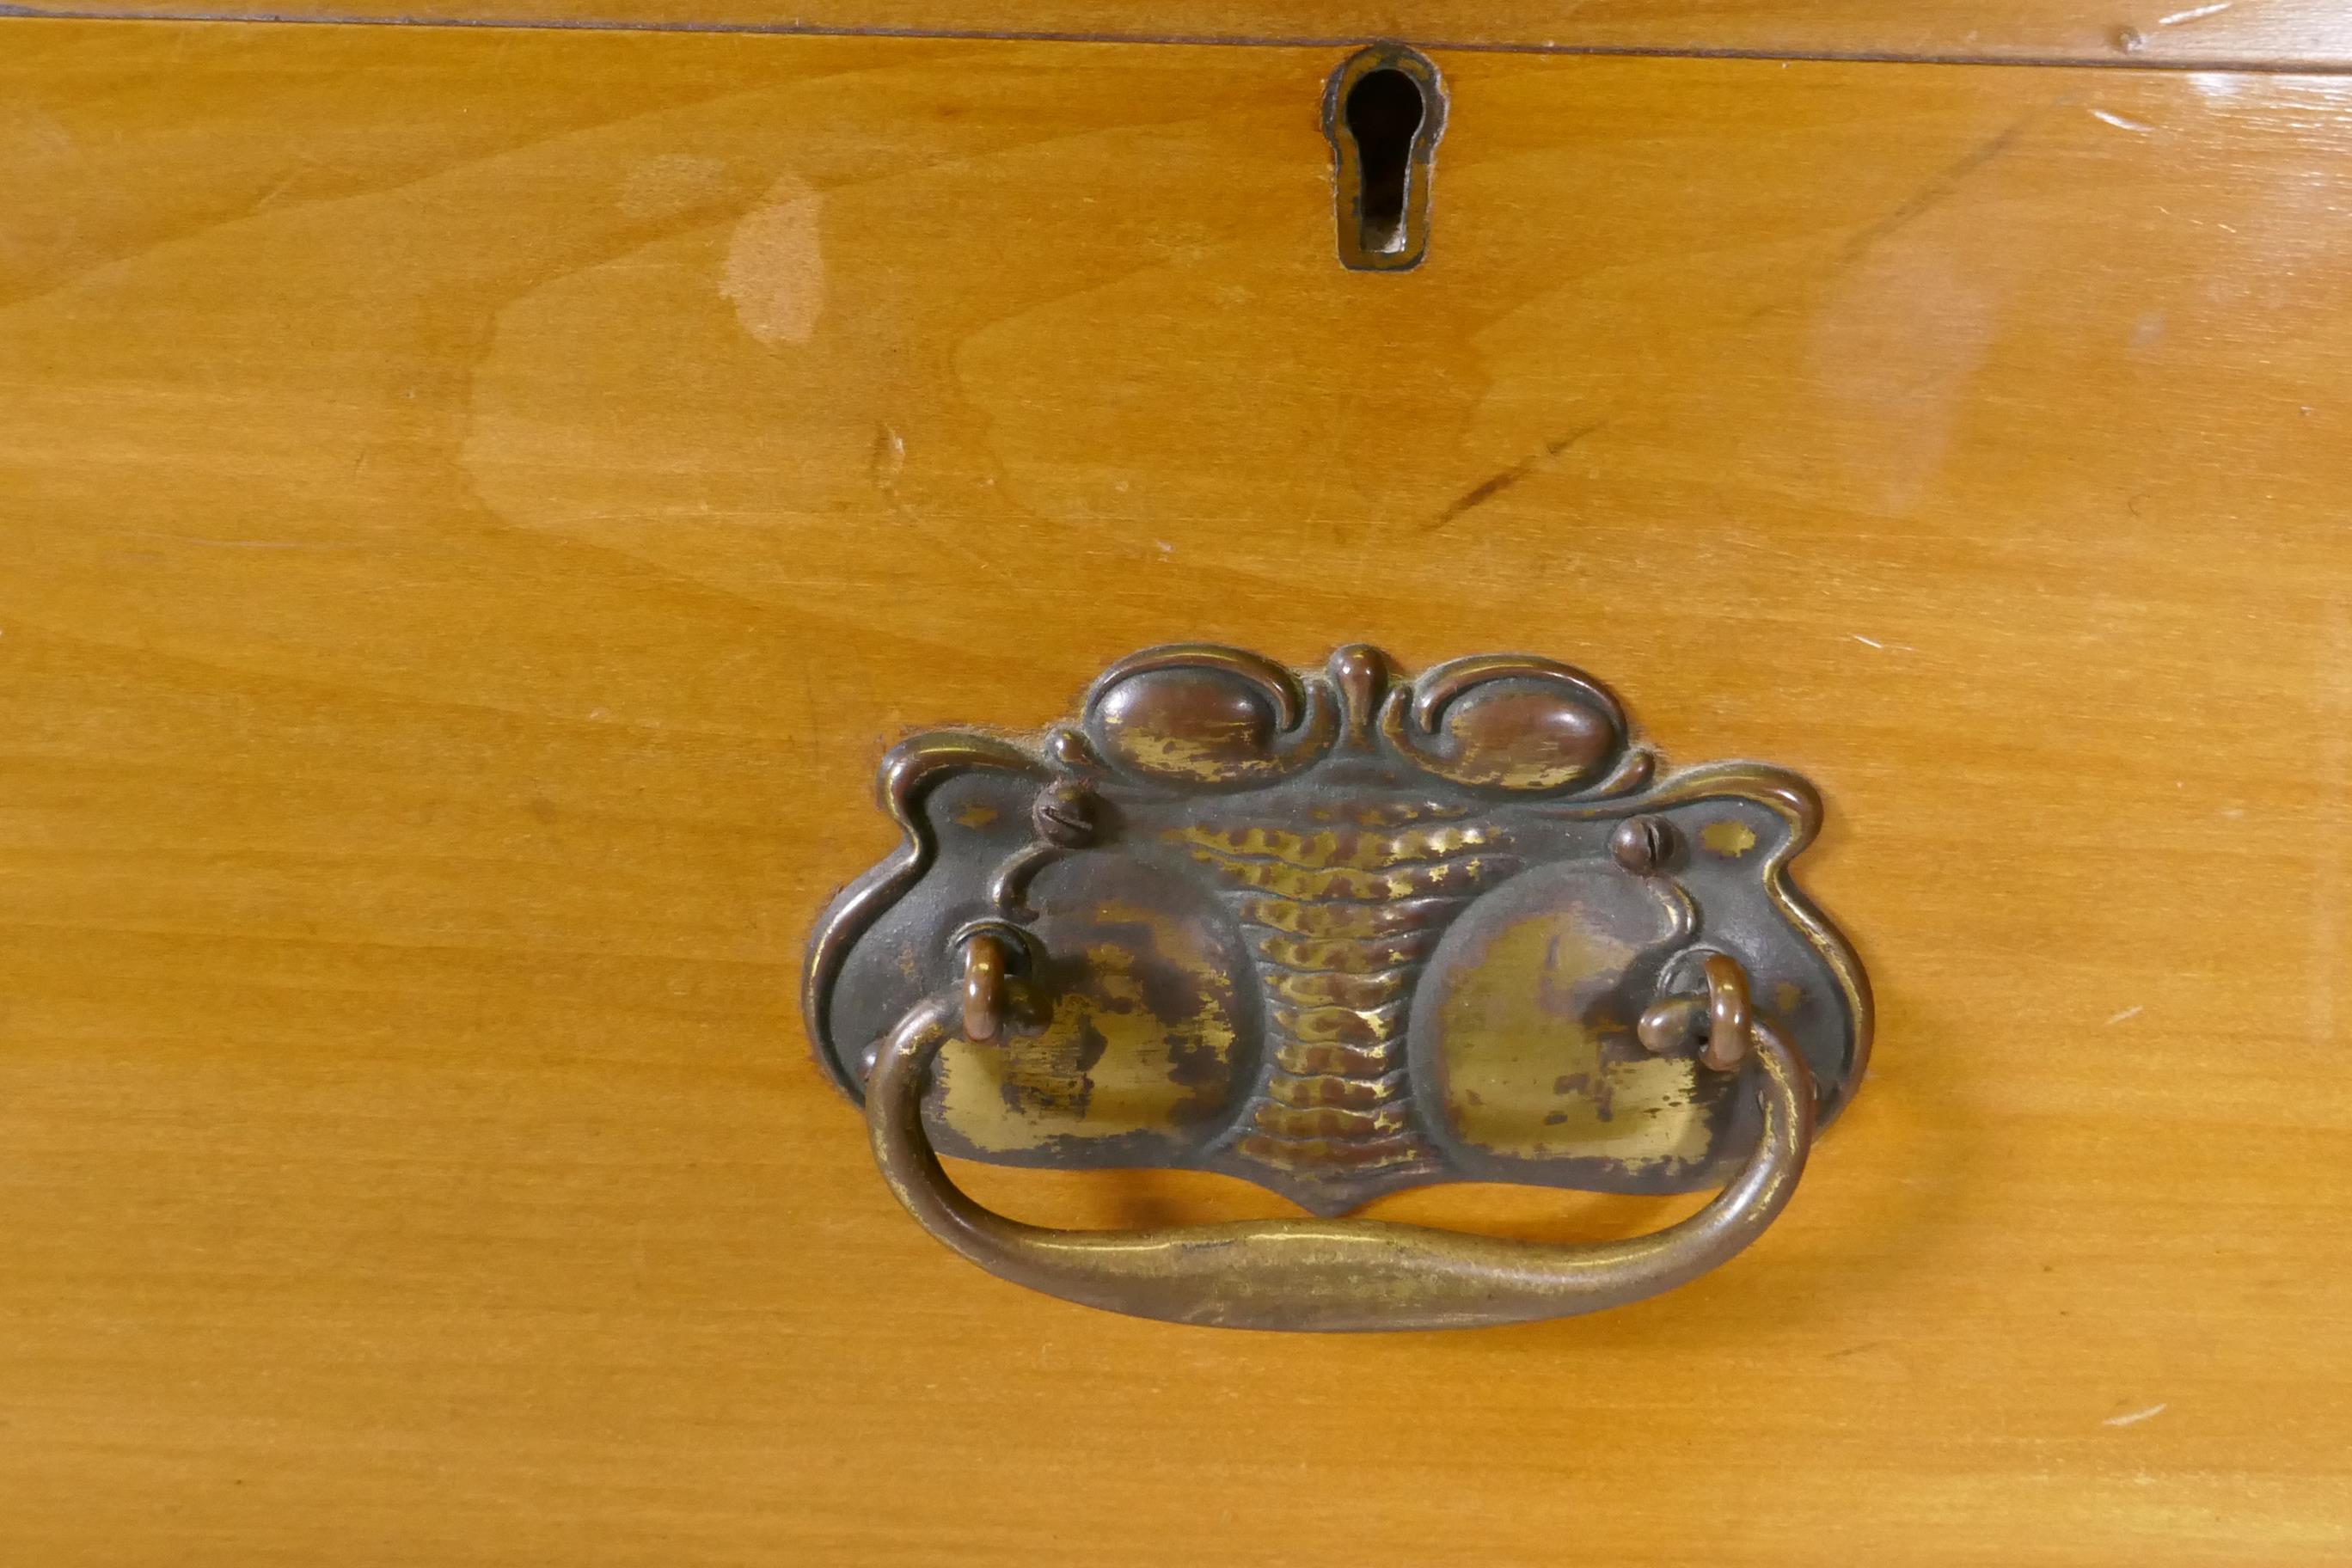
1383, 110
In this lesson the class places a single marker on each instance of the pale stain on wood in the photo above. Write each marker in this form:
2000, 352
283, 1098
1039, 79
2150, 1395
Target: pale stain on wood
776, 265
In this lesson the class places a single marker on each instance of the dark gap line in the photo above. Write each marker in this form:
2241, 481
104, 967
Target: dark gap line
15, 10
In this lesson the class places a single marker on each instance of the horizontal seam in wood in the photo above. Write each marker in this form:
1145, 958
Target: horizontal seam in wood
13, 10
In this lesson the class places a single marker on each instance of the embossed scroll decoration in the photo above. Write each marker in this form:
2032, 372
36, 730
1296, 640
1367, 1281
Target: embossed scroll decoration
1341, 933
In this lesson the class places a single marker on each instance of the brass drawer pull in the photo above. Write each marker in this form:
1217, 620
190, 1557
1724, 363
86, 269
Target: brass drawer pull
1331, 1274
1340, 933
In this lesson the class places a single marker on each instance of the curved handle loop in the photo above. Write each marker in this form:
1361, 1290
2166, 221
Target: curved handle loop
1329, 1275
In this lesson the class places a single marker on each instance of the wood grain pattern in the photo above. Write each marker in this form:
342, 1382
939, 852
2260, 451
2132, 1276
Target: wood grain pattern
476, 506
2213, 34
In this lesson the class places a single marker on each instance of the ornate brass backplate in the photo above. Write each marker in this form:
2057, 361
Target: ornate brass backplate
1340, 933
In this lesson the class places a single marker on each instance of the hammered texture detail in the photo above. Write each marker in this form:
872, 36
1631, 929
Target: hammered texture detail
1341, 920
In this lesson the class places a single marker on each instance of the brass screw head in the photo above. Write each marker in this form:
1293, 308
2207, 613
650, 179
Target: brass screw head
1642, 844
1064, 815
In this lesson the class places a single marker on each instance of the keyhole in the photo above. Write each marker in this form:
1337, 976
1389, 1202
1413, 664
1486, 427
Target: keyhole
1383, 110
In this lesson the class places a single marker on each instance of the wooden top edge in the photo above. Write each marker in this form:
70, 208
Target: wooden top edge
2233, 34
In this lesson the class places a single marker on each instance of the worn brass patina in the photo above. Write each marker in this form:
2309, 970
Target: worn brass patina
1340, 933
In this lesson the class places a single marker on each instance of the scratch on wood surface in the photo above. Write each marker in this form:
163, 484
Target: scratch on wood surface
2195, 13
889, 459
1939, 188
1487, 490
1856, 1349
269, 198
2127, 1014
2135, 1417
884, 465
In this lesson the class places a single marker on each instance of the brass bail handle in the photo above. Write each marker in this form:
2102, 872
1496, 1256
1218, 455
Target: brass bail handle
985, 964
1725, 1009
1320, 1275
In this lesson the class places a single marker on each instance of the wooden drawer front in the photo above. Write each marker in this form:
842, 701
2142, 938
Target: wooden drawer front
477, 505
